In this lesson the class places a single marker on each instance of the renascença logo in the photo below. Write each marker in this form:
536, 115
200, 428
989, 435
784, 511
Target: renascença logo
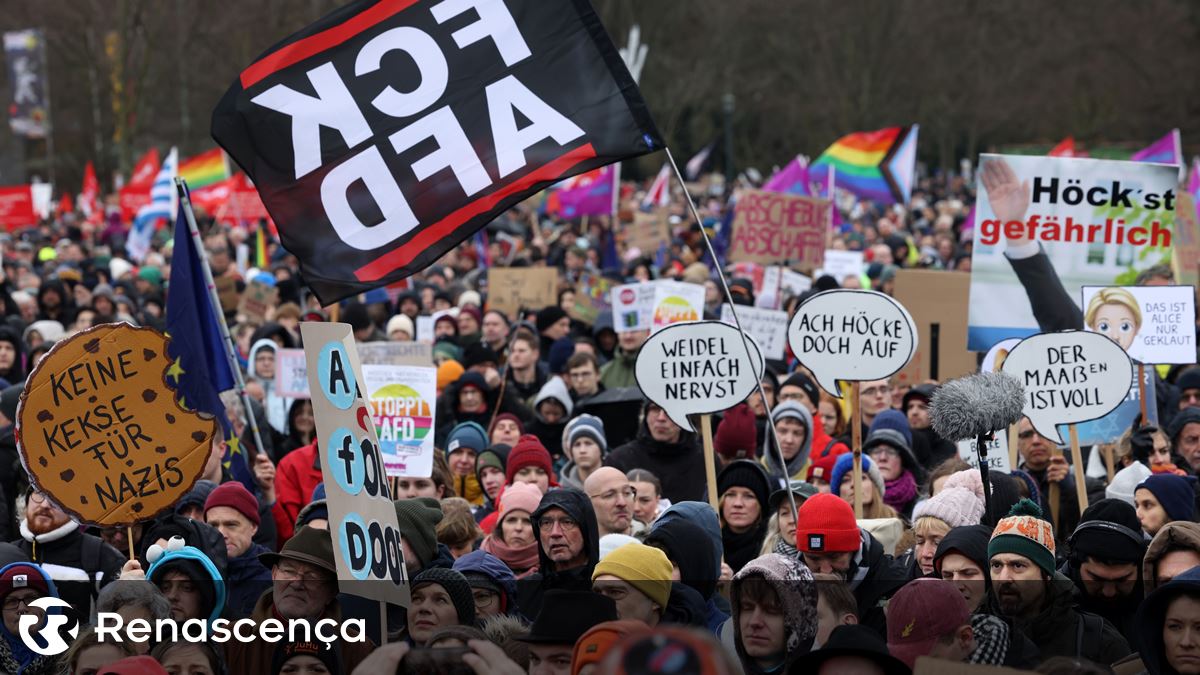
50, 632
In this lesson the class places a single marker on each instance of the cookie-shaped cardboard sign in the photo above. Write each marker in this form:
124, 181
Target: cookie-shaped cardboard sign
100, 431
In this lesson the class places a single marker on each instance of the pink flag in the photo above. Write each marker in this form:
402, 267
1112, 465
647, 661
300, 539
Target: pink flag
792, 178
1166, 150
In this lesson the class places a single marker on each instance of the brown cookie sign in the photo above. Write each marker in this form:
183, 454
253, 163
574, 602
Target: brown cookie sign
100, 431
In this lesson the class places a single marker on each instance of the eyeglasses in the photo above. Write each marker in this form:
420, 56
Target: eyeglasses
37, 497
12, 604
583, 374
286, 572
567, 524
485, 599
882, 390
627, 492
884, 451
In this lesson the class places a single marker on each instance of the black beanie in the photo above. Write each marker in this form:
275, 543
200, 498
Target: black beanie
749, 474
456, 586
1109, 531
549, 316
418, 519
325, 653
799, 379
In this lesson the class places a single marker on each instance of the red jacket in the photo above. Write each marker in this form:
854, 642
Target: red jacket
297, 475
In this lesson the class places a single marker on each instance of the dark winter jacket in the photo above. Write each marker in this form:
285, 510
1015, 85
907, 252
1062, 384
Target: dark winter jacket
874, 576
81, 564
1152, 615
1060, 629
248, 579
679, 465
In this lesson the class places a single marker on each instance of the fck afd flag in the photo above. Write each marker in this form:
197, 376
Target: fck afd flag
389, 131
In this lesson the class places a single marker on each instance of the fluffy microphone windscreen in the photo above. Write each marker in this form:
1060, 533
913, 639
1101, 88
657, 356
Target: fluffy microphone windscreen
976, 404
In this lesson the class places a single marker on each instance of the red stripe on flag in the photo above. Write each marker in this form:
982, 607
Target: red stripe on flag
326, 39
399, 257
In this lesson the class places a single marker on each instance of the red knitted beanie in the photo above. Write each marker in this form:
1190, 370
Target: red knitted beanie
528, 451
825, 524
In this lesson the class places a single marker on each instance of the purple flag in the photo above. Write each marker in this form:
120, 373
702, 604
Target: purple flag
1166, 150
588, 194
792, 178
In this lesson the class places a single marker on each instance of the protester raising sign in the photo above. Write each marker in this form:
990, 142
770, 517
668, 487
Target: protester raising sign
851, 335
366, 536
373, 171
513, 289
697, 367
1155, 324
773, 227
1069, 377
100, 431
1046, 226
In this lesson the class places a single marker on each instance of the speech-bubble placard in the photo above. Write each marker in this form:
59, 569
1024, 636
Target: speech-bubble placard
852, 335
697, 367
1069, 377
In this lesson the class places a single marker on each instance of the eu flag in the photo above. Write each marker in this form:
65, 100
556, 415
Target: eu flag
200, 369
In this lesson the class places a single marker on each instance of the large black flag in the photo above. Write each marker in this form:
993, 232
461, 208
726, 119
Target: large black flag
388, 132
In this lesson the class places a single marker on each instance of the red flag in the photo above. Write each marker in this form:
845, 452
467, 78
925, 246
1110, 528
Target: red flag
65, 204
1066, 148
16, 207
136, 192
89, 196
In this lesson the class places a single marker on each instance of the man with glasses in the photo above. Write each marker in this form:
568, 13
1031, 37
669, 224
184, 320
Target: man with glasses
564, 525
305, 588
1041, 459
874, 396
583, 375
20, 585
492, 584
49, 537
612, 498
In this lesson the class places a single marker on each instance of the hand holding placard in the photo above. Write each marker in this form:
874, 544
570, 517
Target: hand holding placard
852, 335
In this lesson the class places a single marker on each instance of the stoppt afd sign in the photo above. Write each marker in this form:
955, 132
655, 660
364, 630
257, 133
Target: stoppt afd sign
772, 227
362, 519
101, 433
388, 131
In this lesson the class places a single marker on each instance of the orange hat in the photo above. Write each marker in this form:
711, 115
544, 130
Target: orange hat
594, 644
447, 373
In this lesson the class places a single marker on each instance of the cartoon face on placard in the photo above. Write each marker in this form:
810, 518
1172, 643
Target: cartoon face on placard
101, 433
852, 335
1154, 324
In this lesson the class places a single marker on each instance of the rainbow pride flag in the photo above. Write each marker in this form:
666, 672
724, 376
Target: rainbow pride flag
204, 169
874, 165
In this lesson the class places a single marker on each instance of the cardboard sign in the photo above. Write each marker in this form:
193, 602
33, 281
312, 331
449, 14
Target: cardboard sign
852, 335
291, 373
697, 367
648, 232
937, 302
1154, 324
396, 353
227, 293
841, 264
101, 433
997, 452
769, 296
775, 227
1069, 377
1186, 252
1047, 226
362, 519
511, 289
403, 406
633, 306
257, 301
927, 665
676, 301
592, 298
768, 327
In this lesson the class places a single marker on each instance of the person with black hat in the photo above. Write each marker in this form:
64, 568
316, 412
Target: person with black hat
1106, 552
1166, 624
781, 532
440, 597
304, 588
666, 450
690, 551
743, 488
564, 618
1185, 436
929, 448
552, 324
418, 519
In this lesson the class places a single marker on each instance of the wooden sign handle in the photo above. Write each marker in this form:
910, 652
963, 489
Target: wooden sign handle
1141, 376
710, 463
856, 441
129, 537
1055, 497
1014, 438
1077, 460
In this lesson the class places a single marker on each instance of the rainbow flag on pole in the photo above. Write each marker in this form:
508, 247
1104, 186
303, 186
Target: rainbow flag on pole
204, 169
874, 165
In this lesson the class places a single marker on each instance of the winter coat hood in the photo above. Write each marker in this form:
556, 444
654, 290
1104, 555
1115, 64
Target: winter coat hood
1174, 536
577, 505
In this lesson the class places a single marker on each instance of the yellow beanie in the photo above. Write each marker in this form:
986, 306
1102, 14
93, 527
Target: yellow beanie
644, 567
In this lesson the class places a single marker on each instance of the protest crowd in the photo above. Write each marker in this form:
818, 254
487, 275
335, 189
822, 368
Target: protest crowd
570, 520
